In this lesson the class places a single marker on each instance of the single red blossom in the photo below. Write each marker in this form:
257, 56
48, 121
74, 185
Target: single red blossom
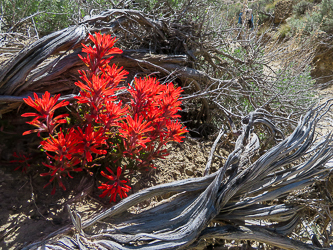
175, 131
105, 84
113, 76
169, 108
135, 132
94, 90
46, 107
103, 47
155, 102
22, 159
64, 146
170, 90
111, 114
169, 102
60, 169
118, 186
97, 91
90, 141
42, 127
143, 94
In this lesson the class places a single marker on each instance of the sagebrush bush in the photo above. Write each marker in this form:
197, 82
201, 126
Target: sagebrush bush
311, 18
50, 15
303, 6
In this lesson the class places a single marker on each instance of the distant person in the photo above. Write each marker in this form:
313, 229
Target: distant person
248, 18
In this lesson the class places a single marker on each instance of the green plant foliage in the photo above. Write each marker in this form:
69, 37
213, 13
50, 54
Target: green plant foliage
284, 30
301, 8
50, 15
295, 86
309, 18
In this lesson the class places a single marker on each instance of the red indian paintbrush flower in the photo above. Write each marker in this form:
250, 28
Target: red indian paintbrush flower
118, 187
169, 101
94, 90
64, 146
99, 89
134, 131
46, 107
175, 131
113, 76
64, 159
89, 141
103, 47
61, 169
112, 113
143, 93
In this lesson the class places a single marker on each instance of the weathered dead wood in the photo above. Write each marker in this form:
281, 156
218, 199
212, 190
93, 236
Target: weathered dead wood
252, 192
52, 62
254, 233
13, 76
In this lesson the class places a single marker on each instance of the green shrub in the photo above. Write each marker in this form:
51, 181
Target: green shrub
284, 30
303, 6
319, 18
50, 15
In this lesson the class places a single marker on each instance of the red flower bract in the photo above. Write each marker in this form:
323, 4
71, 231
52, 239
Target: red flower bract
98, 90
175, 131
112, 113
103, 47
143, 93
63, 146
46, 107
134, 131
118, 186
89, 141
64, 159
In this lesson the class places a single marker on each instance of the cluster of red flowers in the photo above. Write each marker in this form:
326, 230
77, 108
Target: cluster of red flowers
133, 132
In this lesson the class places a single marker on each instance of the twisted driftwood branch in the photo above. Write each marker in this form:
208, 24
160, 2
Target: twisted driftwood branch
248, 193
